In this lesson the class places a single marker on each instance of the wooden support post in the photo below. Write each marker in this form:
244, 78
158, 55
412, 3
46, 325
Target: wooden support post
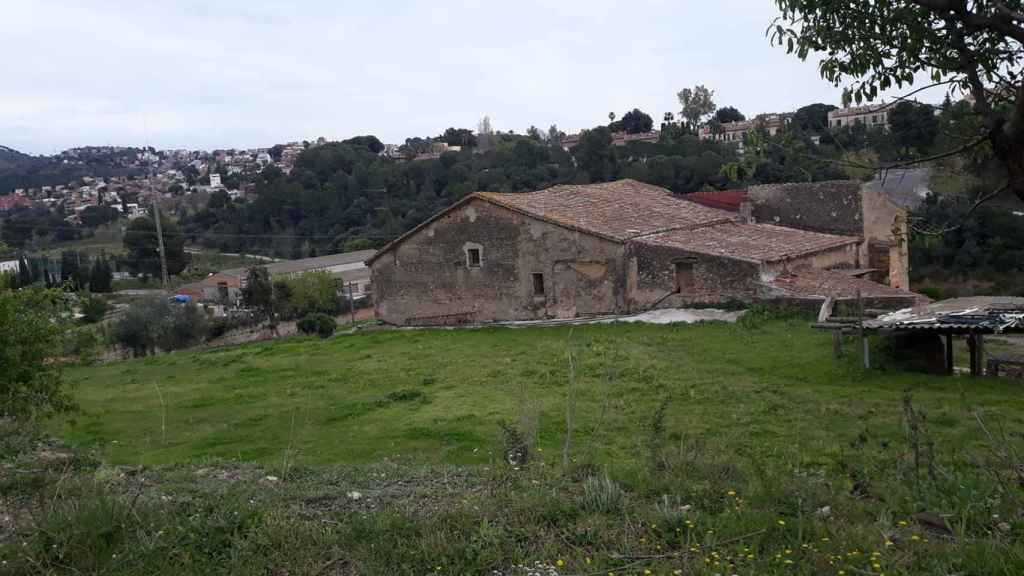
865, 345
837, 343
949, 353
972, 346
979, 345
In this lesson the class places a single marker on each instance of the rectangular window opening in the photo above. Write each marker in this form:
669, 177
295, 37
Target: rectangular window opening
684, 276
473, 256
538, 284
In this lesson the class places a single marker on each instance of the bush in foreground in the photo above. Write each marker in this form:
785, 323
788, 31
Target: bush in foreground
319, 324
32, 326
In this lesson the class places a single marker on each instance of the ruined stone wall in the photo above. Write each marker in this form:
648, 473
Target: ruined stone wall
885, 235
427, 280
653, 278
831, 207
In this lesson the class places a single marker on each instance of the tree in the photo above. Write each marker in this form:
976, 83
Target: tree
974, 46
555, 135
697, 103
729, 114
813, 117
258, 292
594, 154
32, 327
101, 277
94, 216
314, 292
142, 250
371, 143
73, 270
636, 122
485, 134
913, 126
459, 137
155, 323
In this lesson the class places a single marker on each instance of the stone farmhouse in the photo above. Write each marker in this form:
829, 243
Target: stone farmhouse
610, 248
876, 211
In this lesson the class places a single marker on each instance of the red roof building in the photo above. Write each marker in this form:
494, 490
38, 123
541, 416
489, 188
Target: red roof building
724, 200
11, 201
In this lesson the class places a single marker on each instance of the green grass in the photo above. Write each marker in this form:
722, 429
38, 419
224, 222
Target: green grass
103, 239
710, 449
774, 388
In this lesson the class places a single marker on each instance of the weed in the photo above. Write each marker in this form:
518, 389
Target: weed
656, 438
515, 447
602, 494
405, 395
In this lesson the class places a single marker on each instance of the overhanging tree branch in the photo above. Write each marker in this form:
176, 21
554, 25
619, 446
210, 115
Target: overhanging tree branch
979, 201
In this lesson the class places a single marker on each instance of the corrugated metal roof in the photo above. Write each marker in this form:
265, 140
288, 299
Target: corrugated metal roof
306, 264
982, 314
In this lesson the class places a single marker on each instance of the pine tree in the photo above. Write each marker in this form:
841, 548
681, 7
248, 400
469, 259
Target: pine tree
68, 267
24, 273
101, 277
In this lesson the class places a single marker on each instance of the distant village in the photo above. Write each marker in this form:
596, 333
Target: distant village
185, 172
173, 172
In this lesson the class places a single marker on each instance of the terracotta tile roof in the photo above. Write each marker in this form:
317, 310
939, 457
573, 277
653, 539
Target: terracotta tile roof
618, 210
9, 201
725, 200
751, 242
836, 283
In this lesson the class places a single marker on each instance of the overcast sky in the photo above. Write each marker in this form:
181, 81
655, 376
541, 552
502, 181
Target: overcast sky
226, 73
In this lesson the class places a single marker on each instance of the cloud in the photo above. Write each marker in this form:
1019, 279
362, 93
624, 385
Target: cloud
191, 74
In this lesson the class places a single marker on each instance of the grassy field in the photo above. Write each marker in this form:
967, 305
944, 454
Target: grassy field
711, 449
439, 395
106, 239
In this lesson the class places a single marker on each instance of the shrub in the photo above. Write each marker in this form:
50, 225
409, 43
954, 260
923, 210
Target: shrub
31, 331
933, 292
84, 343
313, 293
319, 324
94, 309
188, 326
156, 323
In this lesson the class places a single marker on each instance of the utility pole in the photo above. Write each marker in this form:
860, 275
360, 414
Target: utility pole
351, 304
159, 235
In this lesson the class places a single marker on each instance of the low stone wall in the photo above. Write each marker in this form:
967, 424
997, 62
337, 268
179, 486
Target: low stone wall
1006, 367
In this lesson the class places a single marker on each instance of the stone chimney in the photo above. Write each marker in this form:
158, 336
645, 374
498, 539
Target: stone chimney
746, 212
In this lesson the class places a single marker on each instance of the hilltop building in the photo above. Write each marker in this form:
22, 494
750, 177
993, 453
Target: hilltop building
772, 124
618, 139
872, 116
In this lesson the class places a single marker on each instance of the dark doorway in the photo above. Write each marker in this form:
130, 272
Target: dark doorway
684, 276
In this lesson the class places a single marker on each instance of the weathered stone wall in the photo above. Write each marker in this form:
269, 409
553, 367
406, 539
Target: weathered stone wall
832, 207
653, 278
885, 230
427, 280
